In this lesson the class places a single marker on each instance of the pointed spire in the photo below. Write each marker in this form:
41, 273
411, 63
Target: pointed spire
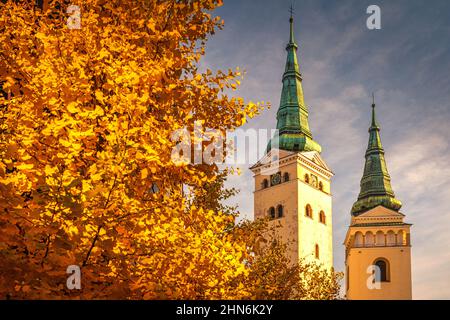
292, 116
376, 186
374, 132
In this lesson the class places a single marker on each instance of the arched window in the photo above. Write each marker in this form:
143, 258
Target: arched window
314, 181
265, 184
383, 266
272, 213
359, 242
308, 211
286, 177
401, 238
280, 211
307, 178
370, 239
317, 251
320, 186
322, 217
380, 240
390, 238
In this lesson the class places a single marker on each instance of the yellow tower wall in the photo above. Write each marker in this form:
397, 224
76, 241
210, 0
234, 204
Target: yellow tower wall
311, 231
399, 286
299, 231
379, 233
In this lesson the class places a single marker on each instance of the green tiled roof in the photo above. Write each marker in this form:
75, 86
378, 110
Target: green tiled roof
375, 184
292, 116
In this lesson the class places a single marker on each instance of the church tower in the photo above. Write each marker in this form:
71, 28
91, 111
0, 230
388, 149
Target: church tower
378, 248
292, 181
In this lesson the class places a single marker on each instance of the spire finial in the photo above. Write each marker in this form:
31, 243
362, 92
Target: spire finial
291, 10
374, 119
291, 21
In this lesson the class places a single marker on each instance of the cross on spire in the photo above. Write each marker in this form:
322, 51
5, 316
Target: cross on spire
291, 22
291, 10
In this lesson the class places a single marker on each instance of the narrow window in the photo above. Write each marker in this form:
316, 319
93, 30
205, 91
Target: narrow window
308, 211
314, 181
359, 240
286, 177
265, 184
380, 239
322, 217
307, 178
317, 251
320, 186
272, 213
383, 264
369, 239
280, 211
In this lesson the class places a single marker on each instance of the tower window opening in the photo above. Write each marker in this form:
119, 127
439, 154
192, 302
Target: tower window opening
307, 178
314, 181
401, 238
380, 239
308, 211
272, 213
320, 186
359, 240
383, 266
286, 177
390, 238
280, 211
265, 184
369, 239
322, 217
317, 251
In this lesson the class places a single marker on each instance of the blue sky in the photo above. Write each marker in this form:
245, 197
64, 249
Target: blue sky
406, 64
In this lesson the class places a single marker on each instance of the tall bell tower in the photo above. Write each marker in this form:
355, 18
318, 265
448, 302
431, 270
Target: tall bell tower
292, 181
378, 247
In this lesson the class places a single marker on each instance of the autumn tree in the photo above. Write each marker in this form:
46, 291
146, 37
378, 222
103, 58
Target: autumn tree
85, 136
87, 117
213, 195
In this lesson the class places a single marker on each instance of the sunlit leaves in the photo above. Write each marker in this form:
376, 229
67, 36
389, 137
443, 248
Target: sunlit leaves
85, 136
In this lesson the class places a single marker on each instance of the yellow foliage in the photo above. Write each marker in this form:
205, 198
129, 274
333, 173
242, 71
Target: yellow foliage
85, 134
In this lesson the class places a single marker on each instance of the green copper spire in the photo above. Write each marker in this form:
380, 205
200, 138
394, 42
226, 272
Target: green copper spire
292, 116
375, 183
